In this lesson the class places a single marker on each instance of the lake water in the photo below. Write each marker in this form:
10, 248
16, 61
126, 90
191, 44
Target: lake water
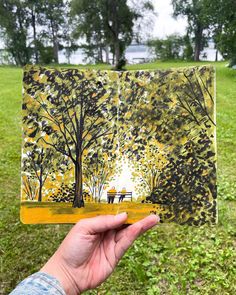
134, 54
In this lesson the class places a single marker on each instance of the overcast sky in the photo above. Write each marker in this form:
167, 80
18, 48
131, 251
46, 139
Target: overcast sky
165, 24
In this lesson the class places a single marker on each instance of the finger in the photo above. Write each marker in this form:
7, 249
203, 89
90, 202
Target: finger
126, 237
142, 225
146, 223
101, 223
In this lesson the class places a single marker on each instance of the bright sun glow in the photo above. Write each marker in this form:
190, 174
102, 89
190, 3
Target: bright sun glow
122, 180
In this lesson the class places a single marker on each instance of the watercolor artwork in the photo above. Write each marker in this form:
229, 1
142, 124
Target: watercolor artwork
104, 142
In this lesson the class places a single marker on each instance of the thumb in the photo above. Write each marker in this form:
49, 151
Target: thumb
101, 223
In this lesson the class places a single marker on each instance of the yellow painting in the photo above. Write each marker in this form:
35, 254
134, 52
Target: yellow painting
104, 142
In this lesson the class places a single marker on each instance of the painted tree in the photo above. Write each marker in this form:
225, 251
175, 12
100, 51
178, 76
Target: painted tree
77, 109
147, 166
175, 108
36, 160
195, 95
188, 182
37, 165
100, 167
141, 117
144, 107
29, 186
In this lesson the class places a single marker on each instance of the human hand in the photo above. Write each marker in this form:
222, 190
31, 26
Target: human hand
92, 249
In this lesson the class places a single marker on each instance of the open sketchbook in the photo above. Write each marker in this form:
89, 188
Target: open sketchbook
103, 142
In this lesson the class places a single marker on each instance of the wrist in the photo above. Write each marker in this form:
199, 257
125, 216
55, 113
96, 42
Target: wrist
59, 271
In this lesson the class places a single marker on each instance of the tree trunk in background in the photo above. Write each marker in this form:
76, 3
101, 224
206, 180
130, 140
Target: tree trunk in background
55, 49
35, 37
216, 56
198, 43
107, 54
100, 57
117, 52
54, 41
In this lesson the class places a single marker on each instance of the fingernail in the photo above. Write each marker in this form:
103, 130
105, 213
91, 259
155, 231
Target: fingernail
121, 216
156, 218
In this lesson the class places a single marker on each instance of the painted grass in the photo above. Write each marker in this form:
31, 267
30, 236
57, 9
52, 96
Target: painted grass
33, 213
170, 259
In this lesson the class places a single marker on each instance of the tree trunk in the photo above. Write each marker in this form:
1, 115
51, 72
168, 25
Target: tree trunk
117, 52
78, 198
35, 37
55, 49
216, 56
55, 42
100, 58
40, 191
198, 43
107, 54
197, 51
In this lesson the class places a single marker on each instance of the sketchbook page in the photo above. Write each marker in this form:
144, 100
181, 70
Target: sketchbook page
93, 138
167, 139
69, 148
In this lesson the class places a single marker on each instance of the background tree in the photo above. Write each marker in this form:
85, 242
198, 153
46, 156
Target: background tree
198, 21
77, 109
14, 23
222, 16
34, 8
52, 18
168, 48
19, 22
90, 25
188, 48
113, 23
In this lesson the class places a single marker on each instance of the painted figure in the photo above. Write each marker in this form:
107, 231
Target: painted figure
111, 195
122, 194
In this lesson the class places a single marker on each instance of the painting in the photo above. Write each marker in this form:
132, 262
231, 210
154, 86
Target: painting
104, 142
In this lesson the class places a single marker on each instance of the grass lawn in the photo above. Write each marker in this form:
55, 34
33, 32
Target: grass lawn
170, 259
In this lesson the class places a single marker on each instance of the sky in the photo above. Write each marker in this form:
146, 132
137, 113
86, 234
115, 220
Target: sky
165, 24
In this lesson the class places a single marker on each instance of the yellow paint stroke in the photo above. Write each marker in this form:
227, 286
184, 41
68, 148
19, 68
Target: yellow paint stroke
45, 212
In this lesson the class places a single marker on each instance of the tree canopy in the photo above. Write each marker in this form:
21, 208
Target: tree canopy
71, 115
198, 21
34, 31
108, 23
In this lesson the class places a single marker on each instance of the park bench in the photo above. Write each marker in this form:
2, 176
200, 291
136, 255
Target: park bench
118, 194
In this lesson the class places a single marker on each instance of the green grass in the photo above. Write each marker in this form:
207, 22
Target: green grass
170, 259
